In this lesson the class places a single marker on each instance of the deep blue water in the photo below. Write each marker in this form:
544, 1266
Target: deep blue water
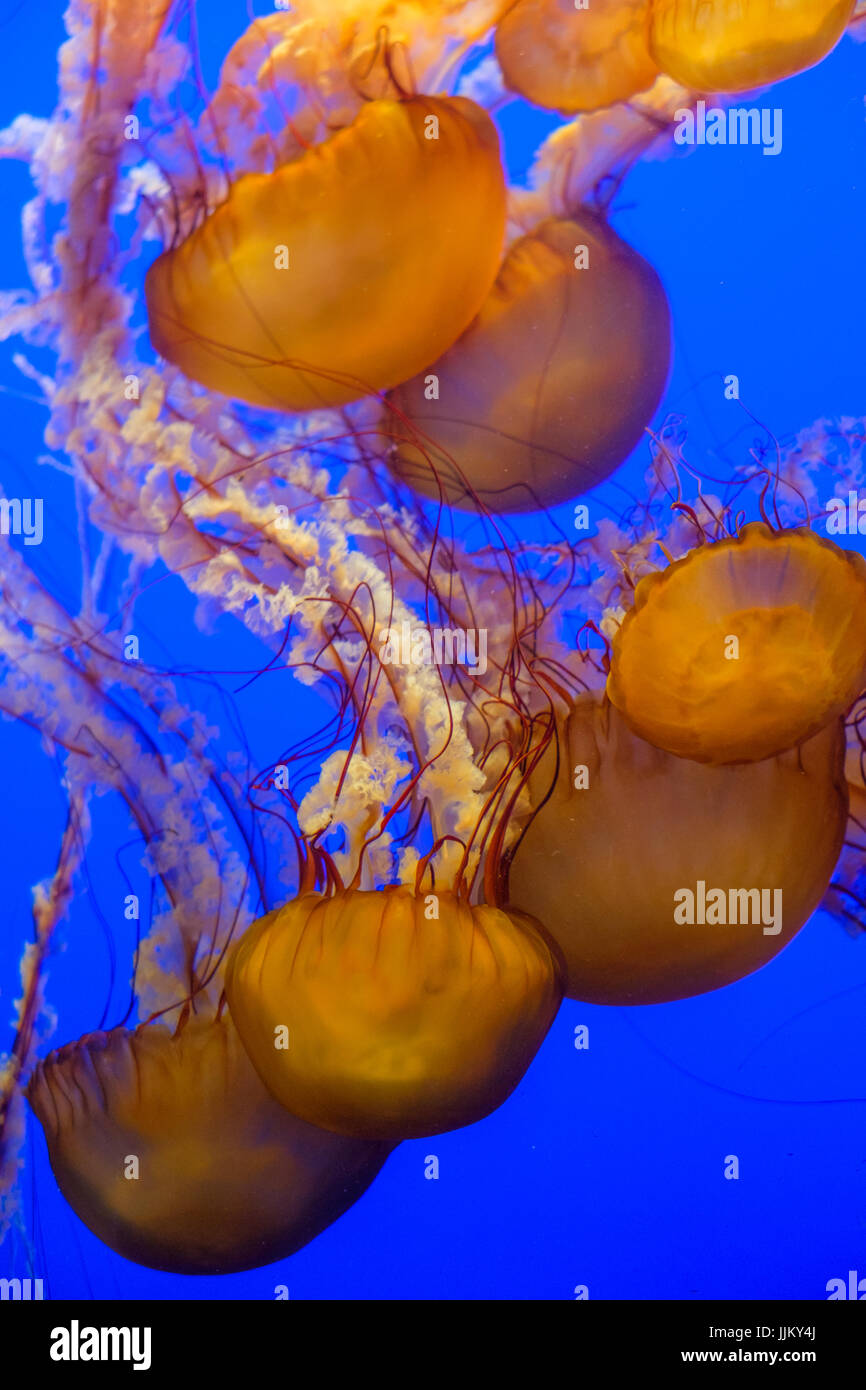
605, 1168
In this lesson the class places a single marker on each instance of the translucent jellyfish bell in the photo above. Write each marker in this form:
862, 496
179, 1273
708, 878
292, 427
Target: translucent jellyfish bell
735, 45
743, 648
661, 878
552, 385
569, 59
401, 1023
344, 271
172, 1152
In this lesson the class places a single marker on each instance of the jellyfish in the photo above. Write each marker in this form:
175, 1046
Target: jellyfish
552, 385
855, 776
570, 59
661, 878
734, 45
388, 1016
743, 648
845, 899
295, 292
351, 268
172, 1152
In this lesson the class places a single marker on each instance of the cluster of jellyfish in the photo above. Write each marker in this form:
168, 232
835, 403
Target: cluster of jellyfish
360, 335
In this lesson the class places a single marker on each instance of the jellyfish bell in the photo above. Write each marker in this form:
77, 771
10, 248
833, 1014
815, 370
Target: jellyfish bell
295, 292
855, 773
845, 896
743, 648
735, 45
406, 1015
172, 1152
855, 776
551, 387
660, 878
569, 59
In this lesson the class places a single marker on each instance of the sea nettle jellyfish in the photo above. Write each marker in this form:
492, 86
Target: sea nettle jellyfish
661, 878
345, 270
390, 1015
570, 59
734, 45
846, 896
172, 1152
551, 386
743, 648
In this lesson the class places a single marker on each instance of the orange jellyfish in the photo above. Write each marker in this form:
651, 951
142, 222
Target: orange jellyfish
570, 59
855, 775
390, 1016
551, 386
743, 648
661, 878
344, 271
845, 896
173, 1153
734, 45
